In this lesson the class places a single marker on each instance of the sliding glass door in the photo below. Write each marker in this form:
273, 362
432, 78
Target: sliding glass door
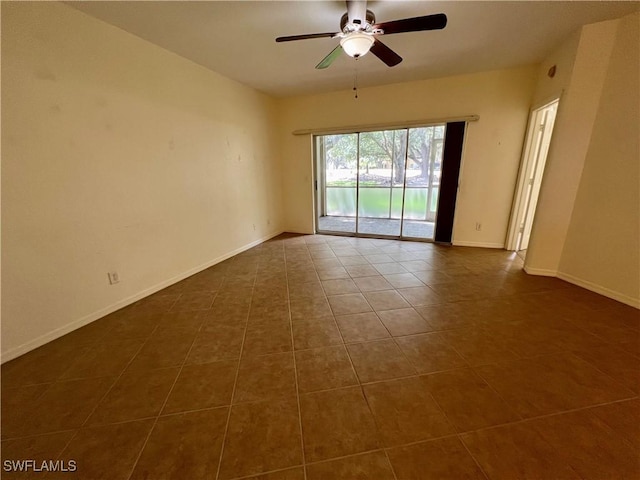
382, 183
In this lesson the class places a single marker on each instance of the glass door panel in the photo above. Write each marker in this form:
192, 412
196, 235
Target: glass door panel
378, 202
379, 206
338, 172
424, 158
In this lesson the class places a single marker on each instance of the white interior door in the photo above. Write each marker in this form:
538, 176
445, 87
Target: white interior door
546, 118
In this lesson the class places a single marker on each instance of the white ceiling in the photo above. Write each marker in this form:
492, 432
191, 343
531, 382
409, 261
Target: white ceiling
237, 38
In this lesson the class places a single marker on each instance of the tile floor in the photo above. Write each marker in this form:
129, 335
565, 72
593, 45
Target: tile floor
325, 357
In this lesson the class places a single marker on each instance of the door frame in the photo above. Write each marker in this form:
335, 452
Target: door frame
531, 166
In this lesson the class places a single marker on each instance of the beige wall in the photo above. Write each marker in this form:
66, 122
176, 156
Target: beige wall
492, 146
569, 144
586, 225
118, 155
602, 247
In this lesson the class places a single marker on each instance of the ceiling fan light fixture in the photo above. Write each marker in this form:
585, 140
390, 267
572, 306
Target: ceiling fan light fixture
357, 44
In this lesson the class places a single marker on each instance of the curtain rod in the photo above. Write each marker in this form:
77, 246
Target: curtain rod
381, 126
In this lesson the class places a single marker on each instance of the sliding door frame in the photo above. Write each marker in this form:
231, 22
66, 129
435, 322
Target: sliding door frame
319, 180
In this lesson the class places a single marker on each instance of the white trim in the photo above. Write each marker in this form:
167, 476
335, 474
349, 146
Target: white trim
81, 322
594, 287
372, 127
542, 272
464, 243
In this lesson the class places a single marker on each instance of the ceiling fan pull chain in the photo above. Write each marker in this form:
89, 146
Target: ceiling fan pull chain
355, 81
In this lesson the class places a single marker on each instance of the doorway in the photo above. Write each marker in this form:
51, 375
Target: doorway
383, 183
531, 172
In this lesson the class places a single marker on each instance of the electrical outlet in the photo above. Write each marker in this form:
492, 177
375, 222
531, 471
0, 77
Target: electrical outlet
269, 222
113, 278
254, 227
478, 226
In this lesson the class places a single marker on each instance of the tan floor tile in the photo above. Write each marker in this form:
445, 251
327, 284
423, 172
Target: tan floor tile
108, 359
344, 251
39, 448
448, 316
430, 353
296, 473
417, 296
589, 446
202, 386
310, 308
619, 365
348, 303
374, 466
331, 273
403, 280
135, 395
361, 327
517, 451
416, 265
193, 301
65, 405
269, 338
324, 368
379, 360
372, 283
266, 377
217, 344
353, 260
298, 292
389, 268
161, 352
623, 418
300, 277
261, 437
327, 263
468, 401
551, 383
337, 423
204, 282
404, 321
317, 332
17, 404
134, 325
377, 258
386, 300
443, 458
180, 323
107, 452
536, 346
365, 270
405, 412
431, 277
339, 286
184, 446
478, 346
42, 365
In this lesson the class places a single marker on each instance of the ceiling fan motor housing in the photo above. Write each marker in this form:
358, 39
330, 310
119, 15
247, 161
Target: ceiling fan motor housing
346, 27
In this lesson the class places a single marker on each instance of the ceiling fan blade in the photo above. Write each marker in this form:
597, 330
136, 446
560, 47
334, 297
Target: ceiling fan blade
328, 60
415, 24
357, 11
385, 54
305, 37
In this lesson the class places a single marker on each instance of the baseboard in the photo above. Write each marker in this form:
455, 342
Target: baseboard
81, 322
543, 272
464, 243
594, 287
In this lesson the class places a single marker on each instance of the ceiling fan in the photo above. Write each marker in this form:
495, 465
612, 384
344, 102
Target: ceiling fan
359, 33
